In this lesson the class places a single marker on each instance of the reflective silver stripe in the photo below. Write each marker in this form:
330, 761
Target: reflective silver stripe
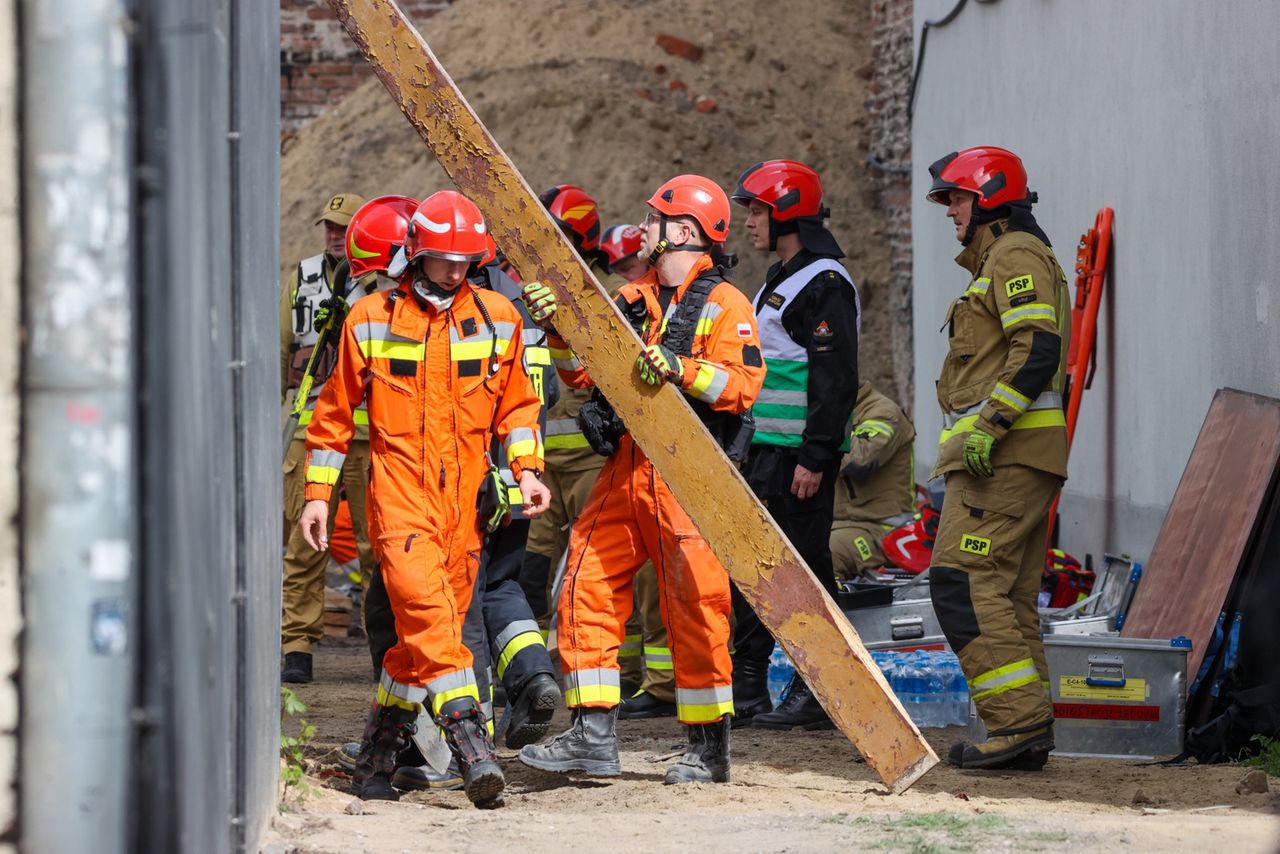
715, 388
783, 397
589, 678
563, 427
704, 696
1046, 400
533, 336
509, 634
779, 425
399, 690
657, 655
452, 682
502, 329
374, 331
326, 459
899, 520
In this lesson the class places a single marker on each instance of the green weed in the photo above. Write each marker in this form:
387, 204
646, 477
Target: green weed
294, 773
1268, 758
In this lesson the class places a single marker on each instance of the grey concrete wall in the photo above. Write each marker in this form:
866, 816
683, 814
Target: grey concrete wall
10, 584
1167, 111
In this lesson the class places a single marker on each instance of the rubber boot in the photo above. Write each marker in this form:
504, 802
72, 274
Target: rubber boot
467, 734
590, 745
297, 668
645, 705
750, 690
528, 717
386, 734
1021, 749
798, 709
707, 759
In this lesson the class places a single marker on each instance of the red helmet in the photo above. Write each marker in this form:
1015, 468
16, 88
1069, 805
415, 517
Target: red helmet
698, 197
791, 189
621, 241
575, 211
447, 225
910, 546
376, 233
995, 174
490, 252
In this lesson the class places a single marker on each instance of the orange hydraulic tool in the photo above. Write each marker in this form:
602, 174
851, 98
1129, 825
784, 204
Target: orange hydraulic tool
1093, 257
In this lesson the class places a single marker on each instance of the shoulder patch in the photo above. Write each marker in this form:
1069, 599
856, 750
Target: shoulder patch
744, 330
1018, 285
822, 330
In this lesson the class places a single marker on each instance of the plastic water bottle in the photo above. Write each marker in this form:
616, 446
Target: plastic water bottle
957, 692
781, 670
933, 694
911, 682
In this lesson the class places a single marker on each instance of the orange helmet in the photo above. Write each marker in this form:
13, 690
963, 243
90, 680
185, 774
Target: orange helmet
698, 197
574, 211
377, 232
447, 225
621, 241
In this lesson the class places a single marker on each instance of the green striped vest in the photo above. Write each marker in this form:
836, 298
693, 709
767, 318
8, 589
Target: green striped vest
783, 405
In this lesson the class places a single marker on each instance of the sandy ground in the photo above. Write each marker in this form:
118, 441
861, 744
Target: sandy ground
790, 792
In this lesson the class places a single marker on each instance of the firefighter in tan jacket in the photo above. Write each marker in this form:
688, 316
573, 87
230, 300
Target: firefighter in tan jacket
1003, 451
876, 489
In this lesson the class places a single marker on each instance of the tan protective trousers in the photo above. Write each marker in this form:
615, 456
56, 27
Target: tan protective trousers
302, 620
987, 564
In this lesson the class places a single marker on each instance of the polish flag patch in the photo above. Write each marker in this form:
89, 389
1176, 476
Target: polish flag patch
744, 330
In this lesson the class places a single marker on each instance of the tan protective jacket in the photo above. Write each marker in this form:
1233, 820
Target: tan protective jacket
1008, 333
877, 479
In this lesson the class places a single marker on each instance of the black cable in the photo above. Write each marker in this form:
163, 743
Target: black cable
924, 40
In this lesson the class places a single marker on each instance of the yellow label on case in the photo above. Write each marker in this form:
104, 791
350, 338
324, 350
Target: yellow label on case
975, 545
1077, 688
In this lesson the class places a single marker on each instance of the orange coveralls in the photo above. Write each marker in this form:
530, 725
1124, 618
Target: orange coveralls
439, 386
631, 516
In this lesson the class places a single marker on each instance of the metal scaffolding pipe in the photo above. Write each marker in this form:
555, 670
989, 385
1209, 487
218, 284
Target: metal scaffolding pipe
78, 446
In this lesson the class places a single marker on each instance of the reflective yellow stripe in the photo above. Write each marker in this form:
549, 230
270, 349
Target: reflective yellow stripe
527, 448
709, 384
1032, 420
872, 427
323, 474
462, 351
537, 356
1011, 397
360, 417
393, 350
1034, 311
386, 698
611, 694
566, 441
703, 705
979, 286
1006, 678
513, 648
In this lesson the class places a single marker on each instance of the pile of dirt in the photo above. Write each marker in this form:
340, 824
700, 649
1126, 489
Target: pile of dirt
583, 94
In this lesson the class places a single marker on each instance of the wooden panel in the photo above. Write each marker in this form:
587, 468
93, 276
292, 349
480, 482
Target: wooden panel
1211, 522
764, 565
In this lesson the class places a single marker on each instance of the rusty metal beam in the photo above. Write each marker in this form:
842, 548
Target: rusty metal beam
772, 577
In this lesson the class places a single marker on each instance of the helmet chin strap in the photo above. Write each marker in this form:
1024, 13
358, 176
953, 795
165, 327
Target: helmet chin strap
663, 246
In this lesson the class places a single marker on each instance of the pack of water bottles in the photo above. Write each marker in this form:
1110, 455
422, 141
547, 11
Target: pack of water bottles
929, 683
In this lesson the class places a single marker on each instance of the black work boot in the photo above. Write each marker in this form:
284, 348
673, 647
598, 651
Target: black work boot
707, 759
750, 690
1021, 749
467, 734
385, 735
297, 668
590, 745
423, 778
645, 705
528, 717
798, 709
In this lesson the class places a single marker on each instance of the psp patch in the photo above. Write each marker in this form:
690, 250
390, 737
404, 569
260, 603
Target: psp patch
1019, 285
863, 547
975, 545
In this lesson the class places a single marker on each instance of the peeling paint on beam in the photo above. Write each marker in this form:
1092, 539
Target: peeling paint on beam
739, 530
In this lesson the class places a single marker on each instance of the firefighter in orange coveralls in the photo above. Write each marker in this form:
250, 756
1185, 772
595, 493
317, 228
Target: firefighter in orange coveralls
440, 363
700, 334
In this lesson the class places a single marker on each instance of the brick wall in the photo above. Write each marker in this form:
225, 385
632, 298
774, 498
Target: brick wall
892, 60
319, 64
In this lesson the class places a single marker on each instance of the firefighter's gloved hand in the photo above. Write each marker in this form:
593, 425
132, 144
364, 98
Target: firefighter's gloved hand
657, 365
977, 453
539, 300
328, 308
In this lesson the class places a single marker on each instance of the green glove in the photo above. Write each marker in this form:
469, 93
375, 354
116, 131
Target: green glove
327, 308
977, 453
657, 365
539, 300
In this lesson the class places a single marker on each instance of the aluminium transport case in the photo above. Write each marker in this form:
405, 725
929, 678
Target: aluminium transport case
1115, 697
903, 624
